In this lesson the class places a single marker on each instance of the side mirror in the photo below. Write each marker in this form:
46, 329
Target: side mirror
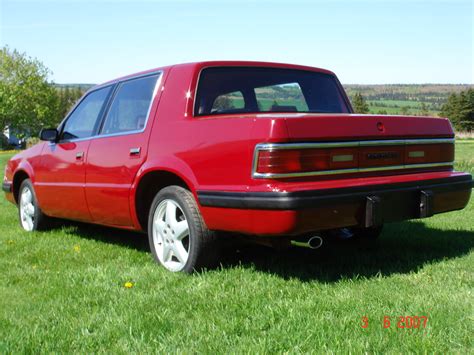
49, 134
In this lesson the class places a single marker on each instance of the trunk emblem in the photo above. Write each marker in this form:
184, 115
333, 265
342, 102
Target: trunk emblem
380, 127
383, 155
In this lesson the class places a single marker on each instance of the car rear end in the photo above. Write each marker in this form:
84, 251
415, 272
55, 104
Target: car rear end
316, 166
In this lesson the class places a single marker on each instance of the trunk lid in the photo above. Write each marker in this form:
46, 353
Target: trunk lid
303, 145
321, 127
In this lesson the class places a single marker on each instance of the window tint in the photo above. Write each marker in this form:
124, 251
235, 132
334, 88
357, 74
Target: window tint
286, 98
82, 122
268, 90
130, 106
229, 102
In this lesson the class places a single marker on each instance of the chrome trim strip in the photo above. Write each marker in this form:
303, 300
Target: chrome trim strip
382, 143
271, 146
429, 141
280, 146
349, 171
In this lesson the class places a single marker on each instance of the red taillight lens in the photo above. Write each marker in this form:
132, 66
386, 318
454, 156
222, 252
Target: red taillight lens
278, 161
429, 153
335, 158
287, 161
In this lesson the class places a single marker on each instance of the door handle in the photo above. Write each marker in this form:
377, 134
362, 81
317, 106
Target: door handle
135, 151
79, 155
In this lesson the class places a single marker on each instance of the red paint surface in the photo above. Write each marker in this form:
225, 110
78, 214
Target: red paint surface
209, 153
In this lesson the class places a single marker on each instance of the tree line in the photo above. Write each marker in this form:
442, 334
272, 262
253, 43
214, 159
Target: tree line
459, 108
28, 100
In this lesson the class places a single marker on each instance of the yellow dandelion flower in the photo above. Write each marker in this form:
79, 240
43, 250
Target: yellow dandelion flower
34, 267
77, 248
128, 284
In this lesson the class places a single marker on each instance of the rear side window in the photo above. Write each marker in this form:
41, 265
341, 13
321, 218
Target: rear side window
83, 121
253, 90
130, 106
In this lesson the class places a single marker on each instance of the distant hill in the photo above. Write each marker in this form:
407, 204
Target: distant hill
83, 87
413, 99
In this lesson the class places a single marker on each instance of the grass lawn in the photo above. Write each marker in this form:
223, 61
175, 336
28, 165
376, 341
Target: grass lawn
63, 291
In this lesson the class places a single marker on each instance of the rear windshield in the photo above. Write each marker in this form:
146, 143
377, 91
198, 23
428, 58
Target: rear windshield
226, 90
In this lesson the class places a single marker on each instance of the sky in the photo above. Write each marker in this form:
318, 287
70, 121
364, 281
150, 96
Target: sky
363, 42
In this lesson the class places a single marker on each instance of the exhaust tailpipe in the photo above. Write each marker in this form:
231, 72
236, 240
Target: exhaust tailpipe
312, 243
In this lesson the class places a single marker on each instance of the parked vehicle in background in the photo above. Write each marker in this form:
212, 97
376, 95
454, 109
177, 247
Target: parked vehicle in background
267, 150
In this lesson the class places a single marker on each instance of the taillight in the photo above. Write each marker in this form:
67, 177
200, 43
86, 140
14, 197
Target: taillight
429, 153
287, 161
305, 159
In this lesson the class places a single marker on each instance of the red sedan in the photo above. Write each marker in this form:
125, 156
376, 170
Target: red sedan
269, 150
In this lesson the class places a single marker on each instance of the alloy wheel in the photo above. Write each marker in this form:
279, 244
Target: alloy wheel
171, 235
27, 209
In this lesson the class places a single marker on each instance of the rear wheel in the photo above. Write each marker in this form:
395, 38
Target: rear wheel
31, 216
179, 239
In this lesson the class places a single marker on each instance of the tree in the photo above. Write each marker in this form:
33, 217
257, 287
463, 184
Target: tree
223, 102
28, 101
459, 108
67, 97
404, 110
359, 103
424, 110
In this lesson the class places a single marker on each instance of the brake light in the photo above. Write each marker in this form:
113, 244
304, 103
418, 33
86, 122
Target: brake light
429, 153
283, 161
306, 159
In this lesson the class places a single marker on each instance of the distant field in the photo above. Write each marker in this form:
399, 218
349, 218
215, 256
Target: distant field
389, 98
393, 98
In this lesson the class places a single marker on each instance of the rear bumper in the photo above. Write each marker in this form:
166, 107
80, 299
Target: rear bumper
315, 198
273, 213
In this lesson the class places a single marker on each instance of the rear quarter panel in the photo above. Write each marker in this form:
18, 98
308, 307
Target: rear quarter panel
210, 153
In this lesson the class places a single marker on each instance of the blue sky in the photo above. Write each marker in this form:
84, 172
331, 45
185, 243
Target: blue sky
362, 41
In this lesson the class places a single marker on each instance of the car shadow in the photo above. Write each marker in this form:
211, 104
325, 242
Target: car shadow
121, 237
402, 248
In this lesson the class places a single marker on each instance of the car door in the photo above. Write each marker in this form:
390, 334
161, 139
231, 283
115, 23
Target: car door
60, 177
120, 149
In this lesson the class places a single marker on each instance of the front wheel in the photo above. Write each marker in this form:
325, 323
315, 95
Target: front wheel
179, 239
31, 216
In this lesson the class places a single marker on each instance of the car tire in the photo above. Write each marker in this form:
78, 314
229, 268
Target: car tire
179, 239
367, 234
30, 215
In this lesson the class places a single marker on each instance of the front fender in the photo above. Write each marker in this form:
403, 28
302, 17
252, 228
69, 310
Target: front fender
25, 167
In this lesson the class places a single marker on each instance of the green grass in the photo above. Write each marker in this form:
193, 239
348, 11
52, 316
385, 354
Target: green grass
63, 291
